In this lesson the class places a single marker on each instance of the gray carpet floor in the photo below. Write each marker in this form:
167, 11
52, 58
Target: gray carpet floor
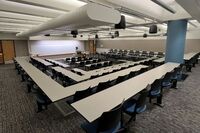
180, 114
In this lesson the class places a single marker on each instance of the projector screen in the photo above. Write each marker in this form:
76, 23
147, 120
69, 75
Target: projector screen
55, 47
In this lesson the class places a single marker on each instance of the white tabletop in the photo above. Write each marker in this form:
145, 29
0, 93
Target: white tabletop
50, 87
46, 63
80, 70
93, 106
188, 56
102, 62
58, 63
160, 60
54, 90
70, 74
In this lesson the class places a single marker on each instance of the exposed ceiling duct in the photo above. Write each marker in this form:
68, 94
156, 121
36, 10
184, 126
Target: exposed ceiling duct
192, 7
87, 16
166, 7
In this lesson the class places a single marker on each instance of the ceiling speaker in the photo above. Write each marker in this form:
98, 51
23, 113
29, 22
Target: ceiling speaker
153, 29
145, 35
122, 23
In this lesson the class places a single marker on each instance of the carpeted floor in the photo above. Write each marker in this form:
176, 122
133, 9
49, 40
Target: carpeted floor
180, 114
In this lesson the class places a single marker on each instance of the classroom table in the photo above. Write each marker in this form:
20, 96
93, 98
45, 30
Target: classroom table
46, 63
70, 74
93, 106
188, 56
160, 60
58, 63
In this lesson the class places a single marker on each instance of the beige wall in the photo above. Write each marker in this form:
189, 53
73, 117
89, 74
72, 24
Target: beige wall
148, 45
21, 47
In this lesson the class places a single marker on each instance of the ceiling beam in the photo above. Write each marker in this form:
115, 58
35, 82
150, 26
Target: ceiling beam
66, 6
5, 14
28, 9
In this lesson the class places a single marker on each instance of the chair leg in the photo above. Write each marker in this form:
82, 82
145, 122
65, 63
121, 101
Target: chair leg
174, 84
150, 99
133, 118
39, 107
23, 79
28, 88
159, 101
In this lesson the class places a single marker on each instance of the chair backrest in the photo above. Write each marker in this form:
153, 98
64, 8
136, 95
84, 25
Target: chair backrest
92, 66
110, 63
87, 62
94, 76
105, 64
131, 74
167, 77
121, 79
110, 119
82, 94
156, 85
141, 101
73, 71
79, 73
102, 85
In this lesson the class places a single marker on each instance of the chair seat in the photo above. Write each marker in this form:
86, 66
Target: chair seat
155, 92
131, 109
92, 128
166, 84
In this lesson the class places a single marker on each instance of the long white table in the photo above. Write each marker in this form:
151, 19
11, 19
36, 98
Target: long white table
93, 106
160, 60
100, 71
188, 56
46, 63
58, 63
70, 74
49, 86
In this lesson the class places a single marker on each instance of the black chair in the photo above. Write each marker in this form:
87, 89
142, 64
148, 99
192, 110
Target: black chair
93, 66
105, 63
80, 95
167, 80
105, 73
121, 79
108, 122
82, 63
136, 106
67, 59
79, 58
99, 65
94, 76
110, 63
42, 101
99, 60
155, 92
79, 73
54, 74
66, 81
88, 62
102, 86
131, 74
73, 71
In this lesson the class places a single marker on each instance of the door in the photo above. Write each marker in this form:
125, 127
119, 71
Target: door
92, 46
8, 51
1, 54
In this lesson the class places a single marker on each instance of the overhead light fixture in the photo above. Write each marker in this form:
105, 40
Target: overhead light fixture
96, 36
145, 35
74, 33
116, 33
122, 23
162, 4
47, 35
153, 29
